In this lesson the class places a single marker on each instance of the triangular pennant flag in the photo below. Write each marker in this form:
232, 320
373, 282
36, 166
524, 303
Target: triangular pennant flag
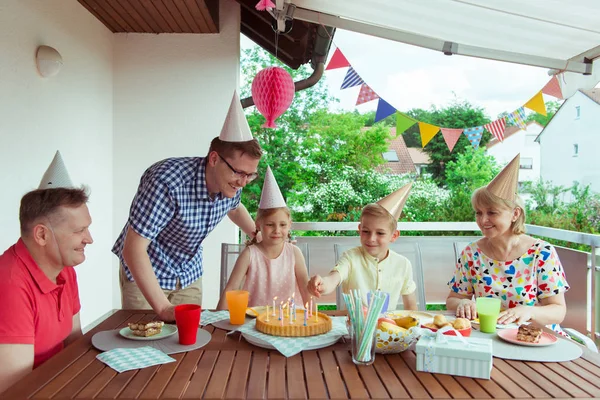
384, 109
351, 79
451, 136
428, 131
338, 60
403, 122
366, 94
517, 118
496, 128
474, 135
552, 88
536, 103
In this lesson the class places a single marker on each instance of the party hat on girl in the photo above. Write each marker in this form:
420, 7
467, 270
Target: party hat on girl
271, 196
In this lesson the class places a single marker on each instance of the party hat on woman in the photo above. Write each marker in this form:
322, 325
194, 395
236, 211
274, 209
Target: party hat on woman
505, 184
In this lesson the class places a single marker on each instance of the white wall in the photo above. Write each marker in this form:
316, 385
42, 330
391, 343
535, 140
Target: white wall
70, 112
559, 163
171, 95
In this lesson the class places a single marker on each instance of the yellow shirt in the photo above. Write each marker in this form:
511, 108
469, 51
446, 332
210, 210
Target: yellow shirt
359, 270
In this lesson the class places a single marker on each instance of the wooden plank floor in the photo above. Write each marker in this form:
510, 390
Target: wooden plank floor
230, 368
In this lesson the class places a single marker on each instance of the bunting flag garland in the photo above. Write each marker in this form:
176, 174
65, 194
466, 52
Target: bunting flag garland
428, 131
517, 118
338, 60
403, 122
496, 128
384, 110
474, 135
366, 94
351, 79
451, 136
552, 88
536, 103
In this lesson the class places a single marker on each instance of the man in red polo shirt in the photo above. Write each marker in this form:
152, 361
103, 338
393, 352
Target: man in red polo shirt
39, 312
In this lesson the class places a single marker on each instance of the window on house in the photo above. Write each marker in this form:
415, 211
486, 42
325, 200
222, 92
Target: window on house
577, 112
390, 156
575, 150
526, 163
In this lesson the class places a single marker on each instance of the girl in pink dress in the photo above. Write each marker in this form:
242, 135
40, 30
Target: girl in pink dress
274, 267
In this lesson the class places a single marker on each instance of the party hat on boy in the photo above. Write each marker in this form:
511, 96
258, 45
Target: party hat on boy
235, 128
56, 176
395, 201
271, 195
504, 185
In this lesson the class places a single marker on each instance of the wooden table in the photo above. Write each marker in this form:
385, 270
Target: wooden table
231, 368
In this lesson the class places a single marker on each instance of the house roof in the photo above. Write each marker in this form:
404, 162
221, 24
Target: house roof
593, 94
419, 156
405, 164
508, 132
202, 17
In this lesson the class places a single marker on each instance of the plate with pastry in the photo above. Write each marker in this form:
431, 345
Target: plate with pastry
409, 313
154, 330
527, 335
440, 321
256, 311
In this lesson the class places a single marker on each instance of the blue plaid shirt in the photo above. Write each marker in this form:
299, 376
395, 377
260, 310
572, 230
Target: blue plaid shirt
172, 209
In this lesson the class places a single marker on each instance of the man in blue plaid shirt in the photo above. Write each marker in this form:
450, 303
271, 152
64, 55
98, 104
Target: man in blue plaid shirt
178, 203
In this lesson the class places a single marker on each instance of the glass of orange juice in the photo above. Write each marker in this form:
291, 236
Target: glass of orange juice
237, 302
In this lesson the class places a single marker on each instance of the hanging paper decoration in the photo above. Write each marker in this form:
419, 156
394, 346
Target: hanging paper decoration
536, 103
338, 60
451, 136
517, 118
552, 88
496, 128
403, 122
262, 5
351, 79
366, 94
273, 92
474, 135
384, 110
428, 131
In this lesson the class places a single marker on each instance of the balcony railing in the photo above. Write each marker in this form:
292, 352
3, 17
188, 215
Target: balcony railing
583, 274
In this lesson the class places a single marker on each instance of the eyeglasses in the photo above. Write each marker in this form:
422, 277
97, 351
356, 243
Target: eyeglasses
238, 174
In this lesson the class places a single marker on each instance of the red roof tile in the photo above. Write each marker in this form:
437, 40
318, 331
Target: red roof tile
405, 165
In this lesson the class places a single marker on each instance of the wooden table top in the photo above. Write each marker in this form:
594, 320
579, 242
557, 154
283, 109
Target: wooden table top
229, 367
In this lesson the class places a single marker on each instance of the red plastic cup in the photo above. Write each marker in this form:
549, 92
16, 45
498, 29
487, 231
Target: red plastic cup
187, 318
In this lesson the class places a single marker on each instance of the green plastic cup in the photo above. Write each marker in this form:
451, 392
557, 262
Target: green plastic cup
488, 309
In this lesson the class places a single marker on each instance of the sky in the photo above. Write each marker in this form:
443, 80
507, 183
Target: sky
409, 77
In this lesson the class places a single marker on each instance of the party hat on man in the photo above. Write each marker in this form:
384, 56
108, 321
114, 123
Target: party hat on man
395, 201
505, 184
271, 195
235, 128
56, 176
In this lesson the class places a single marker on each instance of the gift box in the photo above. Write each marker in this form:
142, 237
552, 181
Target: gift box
455, 355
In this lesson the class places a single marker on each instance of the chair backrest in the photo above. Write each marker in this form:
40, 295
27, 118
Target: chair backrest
412, 251
459, 247
230, 253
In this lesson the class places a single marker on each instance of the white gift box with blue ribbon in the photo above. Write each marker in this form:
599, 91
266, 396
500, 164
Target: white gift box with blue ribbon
454, 355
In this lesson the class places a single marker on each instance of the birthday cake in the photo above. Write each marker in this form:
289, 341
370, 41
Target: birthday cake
272, 325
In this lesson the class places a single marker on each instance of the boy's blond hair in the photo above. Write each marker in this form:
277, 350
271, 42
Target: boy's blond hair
483, 198
377, 211
266, 212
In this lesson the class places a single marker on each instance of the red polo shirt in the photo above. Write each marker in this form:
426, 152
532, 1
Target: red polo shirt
33, 309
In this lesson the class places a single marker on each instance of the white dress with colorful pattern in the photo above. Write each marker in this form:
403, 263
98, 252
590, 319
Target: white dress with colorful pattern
535, 275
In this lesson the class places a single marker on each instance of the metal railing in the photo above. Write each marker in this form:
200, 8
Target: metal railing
593, 271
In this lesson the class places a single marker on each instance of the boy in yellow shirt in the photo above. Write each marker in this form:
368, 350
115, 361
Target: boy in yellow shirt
372, 265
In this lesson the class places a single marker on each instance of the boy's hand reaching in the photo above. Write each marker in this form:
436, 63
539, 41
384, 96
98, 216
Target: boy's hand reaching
315, 286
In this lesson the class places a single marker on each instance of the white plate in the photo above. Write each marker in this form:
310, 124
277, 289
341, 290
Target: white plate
410, 313
319, 342
498, 326
167, 330
255, 311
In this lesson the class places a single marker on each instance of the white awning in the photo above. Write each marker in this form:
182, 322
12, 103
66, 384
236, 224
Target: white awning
562, 35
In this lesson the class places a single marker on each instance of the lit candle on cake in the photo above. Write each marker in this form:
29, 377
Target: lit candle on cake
281, 311
309, 310
294, 312
288, 310
291, 314
305, 313
316, 313
274, 298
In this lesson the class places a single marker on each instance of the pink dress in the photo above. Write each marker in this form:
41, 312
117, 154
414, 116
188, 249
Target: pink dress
267, 278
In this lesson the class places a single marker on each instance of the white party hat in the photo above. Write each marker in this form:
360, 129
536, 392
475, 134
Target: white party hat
271, 195
235, 128
56, 176
395, 201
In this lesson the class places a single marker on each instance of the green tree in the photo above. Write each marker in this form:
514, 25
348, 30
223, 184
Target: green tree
459, 114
